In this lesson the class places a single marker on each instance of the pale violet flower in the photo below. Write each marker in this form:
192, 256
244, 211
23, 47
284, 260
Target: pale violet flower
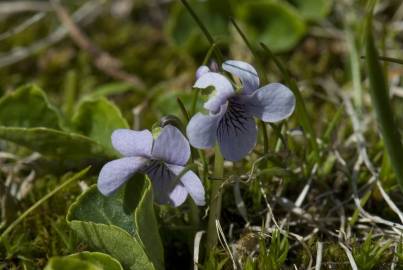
162, 159
230, 120
201, 71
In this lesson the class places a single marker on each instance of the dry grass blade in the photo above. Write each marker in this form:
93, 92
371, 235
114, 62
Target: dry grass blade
373, 218
349, 256
10, 7
306, 188
102, 60
319, 255
21, 27
224, 243
87, 12
196, 249
389, 201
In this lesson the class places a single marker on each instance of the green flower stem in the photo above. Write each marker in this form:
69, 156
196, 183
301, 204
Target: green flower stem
194, 102
42, 200
215, 199
205, 165
265, 137
380, 99
194, 215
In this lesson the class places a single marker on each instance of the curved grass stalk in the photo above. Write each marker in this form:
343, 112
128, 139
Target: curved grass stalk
203, 28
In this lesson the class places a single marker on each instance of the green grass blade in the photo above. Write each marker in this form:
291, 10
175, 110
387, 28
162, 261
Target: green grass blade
205, 31
254, 51
380, 99
185, 113
355, 70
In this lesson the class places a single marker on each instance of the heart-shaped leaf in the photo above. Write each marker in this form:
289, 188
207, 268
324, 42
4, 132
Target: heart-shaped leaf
275, 23
314, 10
97, 119
122, 225
28, 119
28, 107
84, 261
145, 220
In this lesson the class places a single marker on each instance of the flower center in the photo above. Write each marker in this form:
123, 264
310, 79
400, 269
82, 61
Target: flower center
154, 165
234, 119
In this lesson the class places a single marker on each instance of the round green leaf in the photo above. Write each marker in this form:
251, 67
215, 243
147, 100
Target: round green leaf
314, 10
92, 206
184, 32
277, 24
28, 107
114, 241
97, 119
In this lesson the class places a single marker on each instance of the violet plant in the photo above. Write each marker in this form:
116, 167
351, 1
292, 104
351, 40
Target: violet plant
230, 124
162, 159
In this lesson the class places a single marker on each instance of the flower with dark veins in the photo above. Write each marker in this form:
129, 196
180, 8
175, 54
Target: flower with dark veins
162, 159
230, 120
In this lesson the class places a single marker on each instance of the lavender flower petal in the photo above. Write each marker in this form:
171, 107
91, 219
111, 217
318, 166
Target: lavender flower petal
178, 195
171, 146
201, 71
201, 129
245, 72
271, 103
236, 132
223, 90
192, 184
132, 143
165, 190
115, 173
